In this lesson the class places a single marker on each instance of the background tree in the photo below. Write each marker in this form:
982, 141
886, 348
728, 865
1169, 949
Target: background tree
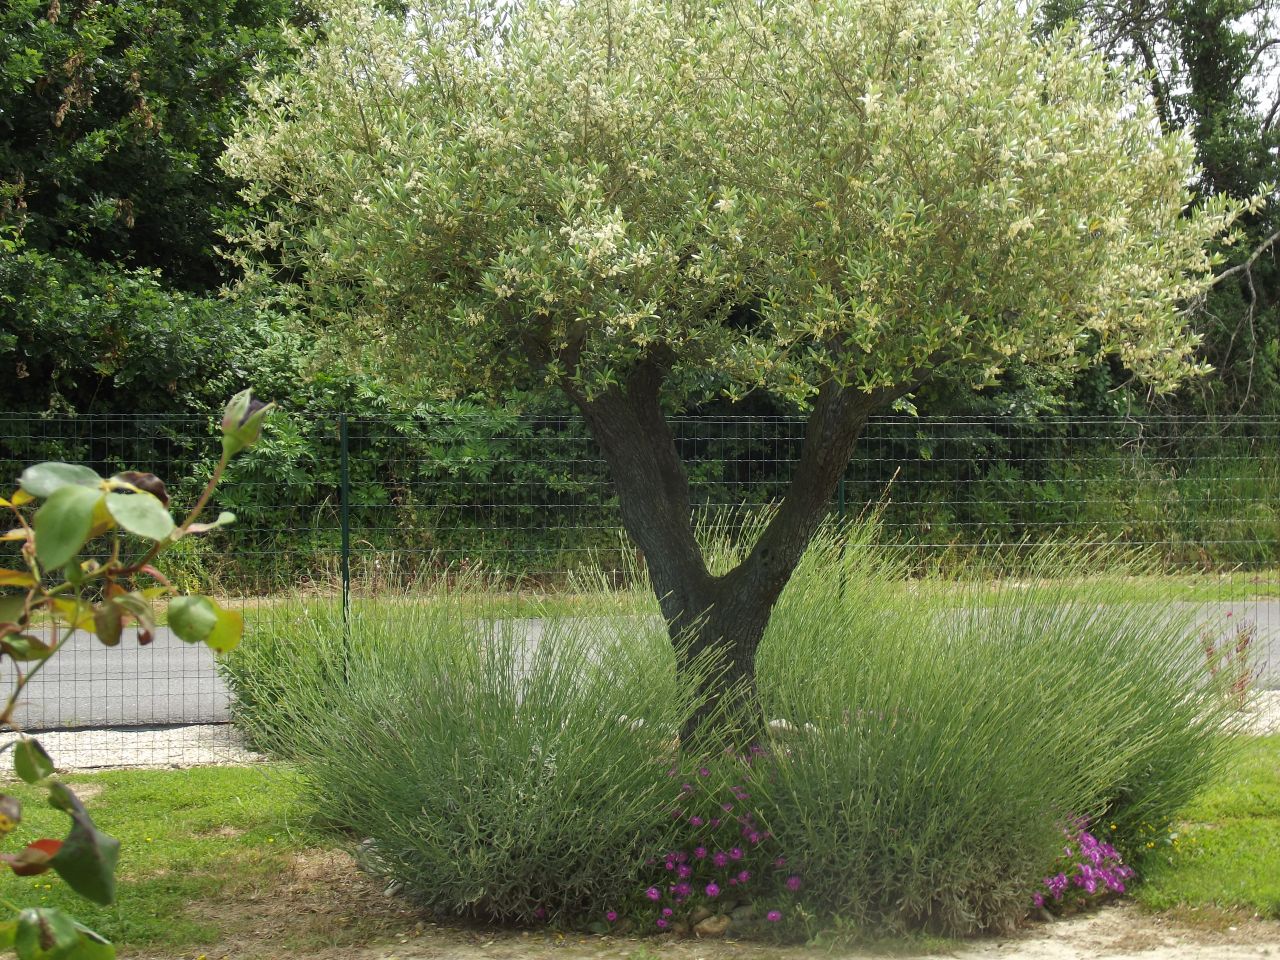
1213, 69
112, 116
831, 202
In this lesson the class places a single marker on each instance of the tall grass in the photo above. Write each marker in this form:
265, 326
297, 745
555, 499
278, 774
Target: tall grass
510, 769
937, 739
953, 734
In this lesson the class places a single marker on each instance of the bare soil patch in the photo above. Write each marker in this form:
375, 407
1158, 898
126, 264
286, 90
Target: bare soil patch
321, 905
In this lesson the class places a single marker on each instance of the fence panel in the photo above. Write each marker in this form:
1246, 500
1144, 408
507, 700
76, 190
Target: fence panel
373, 507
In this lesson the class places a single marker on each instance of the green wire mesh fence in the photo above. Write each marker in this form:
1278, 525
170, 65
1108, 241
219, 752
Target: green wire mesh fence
350, 508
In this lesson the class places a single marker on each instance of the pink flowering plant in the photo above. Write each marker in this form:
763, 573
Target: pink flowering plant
1088, 871
728, 857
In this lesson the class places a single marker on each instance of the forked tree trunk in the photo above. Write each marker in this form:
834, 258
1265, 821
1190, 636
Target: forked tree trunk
723, 617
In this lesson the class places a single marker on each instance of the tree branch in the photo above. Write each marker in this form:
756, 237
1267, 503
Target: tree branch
1247, 265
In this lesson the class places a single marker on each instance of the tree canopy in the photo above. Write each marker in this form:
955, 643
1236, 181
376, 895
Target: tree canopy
852, 191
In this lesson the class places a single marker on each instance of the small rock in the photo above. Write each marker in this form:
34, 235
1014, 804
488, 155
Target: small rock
699, 915
681, 929
712, 926
745, 912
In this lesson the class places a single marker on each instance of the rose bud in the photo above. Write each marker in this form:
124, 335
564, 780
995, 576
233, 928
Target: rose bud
242, 421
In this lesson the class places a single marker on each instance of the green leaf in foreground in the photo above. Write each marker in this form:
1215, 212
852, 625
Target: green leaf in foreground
12, 608
91, 946
107, 623
141, 514
31, 762
45, 932
224, 518
62, 525
197, 619
44, 479
87, 860
192, 618
25, 648
226, 633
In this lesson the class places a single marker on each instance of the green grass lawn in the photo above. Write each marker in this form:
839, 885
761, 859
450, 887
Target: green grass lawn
1237, 587
1227, 854
208, 854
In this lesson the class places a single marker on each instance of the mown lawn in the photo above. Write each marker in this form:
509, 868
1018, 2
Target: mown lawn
209, 855
1227, 850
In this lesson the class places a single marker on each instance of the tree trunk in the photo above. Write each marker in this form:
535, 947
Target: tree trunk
721, 618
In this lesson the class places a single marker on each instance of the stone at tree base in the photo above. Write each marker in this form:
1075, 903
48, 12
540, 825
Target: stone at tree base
698, 915
681, 929
712, 926
746, 911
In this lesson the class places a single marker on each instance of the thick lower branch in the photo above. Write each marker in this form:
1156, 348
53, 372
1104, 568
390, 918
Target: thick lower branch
653, 489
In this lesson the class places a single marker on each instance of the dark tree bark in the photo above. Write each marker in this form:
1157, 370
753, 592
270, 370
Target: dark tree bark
721, 617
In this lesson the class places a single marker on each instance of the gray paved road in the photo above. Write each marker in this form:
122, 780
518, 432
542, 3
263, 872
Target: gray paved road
89, 685
169, 682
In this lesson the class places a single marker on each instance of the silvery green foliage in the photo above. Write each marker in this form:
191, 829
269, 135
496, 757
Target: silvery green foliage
879, 188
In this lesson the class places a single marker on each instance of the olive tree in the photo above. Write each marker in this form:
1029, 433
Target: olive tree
633, 200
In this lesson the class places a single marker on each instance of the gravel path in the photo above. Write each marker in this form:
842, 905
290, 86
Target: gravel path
198, 745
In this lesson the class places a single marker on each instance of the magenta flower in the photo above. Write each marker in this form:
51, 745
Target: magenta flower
695, 821
780, 862
773, 916
662, 923
793, 882
611, 915
684, 871
681, 890
712, 890
539, 912
653, 893
720, 859
735, 853
699, 852
704, 772
667, 911
744, 876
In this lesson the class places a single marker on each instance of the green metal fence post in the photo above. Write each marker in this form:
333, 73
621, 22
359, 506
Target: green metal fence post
344, 513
